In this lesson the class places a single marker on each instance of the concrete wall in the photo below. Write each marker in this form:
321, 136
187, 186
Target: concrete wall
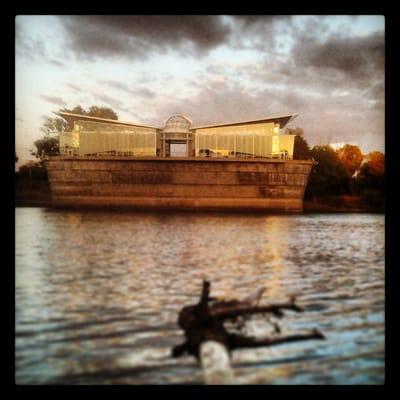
195, 183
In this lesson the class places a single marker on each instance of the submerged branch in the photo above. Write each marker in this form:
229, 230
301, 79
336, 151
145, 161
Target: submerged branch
222, 311
242, 341
204, 322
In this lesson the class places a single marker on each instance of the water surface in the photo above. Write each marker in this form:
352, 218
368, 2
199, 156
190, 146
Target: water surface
97, 294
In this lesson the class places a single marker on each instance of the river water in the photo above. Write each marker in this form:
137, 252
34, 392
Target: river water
97, 294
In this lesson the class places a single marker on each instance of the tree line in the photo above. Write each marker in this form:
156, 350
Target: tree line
341, 172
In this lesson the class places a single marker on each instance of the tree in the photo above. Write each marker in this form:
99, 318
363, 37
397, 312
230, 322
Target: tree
301, 149
375, 164
328, 176
94, 111
102, 112
48, 145
351, 157
294, 131
370, 182
69, 125
32, 170
372, 173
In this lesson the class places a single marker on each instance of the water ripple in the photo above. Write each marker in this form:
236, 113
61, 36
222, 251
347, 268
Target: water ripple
97, 294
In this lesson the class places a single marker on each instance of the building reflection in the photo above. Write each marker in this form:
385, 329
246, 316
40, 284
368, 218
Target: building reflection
273, 255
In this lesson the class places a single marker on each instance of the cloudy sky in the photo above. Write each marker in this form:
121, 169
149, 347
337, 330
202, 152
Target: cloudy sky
328, 69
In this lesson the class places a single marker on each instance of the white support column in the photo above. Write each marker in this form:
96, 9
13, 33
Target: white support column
265, 147
155, 142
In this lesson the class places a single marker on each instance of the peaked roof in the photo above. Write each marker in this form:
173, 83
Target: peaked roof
74, 117
282, 119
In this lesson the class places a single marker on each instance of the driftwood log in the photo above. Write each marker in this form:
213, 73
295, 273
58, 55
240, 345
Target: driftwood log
204, 322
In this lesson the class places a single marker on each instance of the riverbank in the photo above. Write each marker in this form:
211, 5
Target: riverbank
32, 193
342, 204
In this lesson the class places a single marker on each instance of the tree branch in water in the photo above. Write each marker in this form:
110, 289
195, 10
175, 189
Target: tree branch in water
204, 321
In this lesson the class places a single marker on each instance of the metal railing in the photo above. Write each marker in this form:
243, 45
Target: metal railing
204, 153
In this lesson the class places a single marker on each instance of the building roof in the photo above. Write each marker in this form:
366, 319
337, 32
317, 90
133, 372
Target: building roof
74, 117
283, 120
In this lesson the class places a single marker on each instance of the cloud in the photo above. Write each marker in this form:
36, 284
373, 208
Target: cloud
114, 84
56, 62
326, 72
222, 101
358, 59
54, 100
323, 117
137, 92
75, 88
143, 92
109, 101
377, 90
32, 48
332, 77
258, 32
138, 36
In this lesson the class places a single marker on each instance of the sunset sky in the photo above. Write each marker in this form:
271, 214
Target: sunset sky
328, 69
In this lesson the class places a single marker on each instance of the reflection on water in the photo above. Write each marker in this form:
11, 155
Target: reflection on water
97, 294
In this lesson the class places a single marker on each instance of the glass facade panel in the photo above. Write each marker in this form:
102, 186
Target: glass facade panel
244, 140
286, 143
247, 140
94, 138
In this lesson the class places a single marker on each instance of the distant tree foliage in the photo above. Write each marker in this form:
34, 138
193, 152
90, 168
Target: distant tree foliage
328, 176
301, 149
48, 145
294, 131
54, 125
370, 181
374, 165
345, 171
32, 171
102, 112
351, 157
93, 111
